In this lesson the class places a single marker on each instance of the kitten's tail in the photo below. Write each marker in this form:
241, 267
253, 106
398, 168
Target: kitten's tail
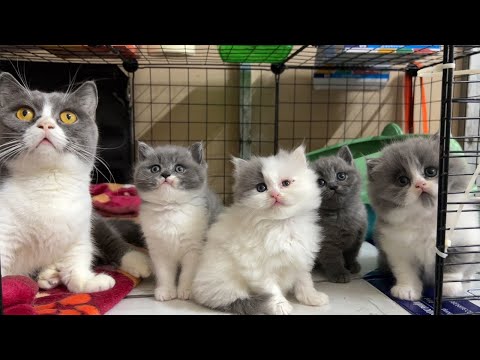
253, 305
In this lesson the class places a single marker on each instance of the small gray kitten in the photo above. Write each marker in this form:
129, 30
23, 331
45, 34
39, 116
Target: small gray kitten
47, 152
177, 209
403, 188
343, 217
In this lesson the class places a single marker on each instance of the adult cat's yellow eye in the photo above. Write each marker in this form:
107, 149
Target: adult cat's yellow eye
68, 117
25, 114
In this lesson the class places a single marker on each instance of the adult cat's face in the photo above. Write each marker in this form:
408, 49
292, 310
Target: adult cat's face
407, 174
280, 186
166, 170
338, 178
41, 128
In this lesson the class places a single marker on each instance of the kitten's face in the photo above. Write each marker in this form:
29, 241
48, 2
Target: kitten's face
407, 174
338, 179
43, 127
279, 186
165, 171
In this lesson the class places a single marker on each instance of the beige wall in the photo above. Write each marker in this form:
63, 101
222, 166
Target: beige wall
181, 106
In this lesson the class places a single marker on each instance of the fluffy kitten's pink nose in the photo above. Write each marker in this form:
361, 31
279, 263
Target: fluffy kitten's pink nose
275, 194
421, 184
45, 125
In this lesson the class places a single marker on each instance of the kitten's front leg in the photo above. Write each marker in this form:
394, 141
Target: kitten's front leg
166, 274
305, 292
332, 261
350, 255
189, 267
49, 277
75, 269
408, 283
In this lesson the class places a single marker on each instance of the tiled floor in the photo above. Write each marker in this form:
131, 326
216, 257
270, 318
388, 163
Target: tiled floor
357, 297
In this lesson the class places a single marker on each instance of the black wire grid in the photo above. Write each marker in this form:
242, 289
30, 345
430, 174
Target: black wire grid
184, 96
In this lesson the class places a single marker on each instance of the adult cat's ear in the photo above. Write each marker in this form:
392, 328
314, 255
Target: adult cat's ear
371, 164
144, 151
299, 155
10, 88
86, 97
197, 152
345, 154
238, 164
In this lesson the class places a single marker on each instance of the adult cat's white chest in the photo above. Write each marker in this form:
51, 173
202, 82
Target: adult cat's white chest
41, 214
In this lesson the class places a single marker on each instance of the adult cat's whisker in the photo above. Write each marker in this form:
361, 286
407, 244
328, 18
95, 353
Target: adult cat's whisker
84, 155
96, 157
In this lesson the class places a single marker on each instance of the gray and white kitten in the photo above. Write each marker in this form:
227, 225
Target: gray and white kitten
403, 188
177, 208
342, 215
47, 152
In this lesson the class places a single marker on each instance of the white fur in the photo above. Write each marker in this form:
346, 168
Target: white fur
136, 263
46, 212
409, 240
174, 223
256, 247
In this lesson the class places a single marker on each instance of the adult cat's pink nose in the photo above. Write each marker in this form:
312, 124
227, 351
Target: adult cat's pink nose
421, 184
45, 125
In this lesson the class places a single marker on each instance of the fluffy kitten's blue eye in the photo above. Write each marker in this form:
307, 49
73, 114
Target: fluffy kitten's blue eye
155, 169
430, 171
403, 181
321, 182
179, 169
261, 187
341, 176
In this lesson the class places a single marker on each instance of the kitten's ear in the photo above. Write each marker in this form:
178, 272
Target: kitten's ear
86, 96
238, 164
436, 137
144, 151
197, 152
299, 155
10, 88
345, 154
371, 164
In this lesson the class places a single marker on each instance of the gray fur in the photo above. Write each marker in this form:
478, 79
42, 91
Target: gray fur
168, 157
342, 215
253, 305
114, 238
83, 101
110, 238
247, 175
385, 194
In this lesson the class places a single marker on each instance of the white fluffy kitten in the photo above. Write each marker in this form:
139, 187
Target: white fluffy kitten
403, 188
177, 207
264, 245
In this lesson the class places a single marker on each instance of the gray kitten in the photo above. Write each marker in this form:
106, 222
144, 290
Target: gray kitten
47, 152
177, 209
343, 216
403, 188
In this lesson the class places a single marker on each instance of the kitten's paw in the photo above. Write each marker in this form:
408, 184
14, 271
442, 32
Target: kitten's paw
313, 298
354, 267
96, 283
280, 307
406, 292
339, 277
136, 263
452, 289
184, 293
165, 293
49, 278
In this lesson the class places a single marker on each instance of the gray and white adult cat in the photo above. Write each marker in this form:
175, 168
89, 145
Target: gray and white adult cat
177, 208
403, 189
342, 215
47, 147
264, 245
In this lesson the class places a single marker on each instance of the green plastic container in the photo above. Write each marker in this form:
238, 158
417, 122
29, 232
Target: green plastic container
254, 53
370, 147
